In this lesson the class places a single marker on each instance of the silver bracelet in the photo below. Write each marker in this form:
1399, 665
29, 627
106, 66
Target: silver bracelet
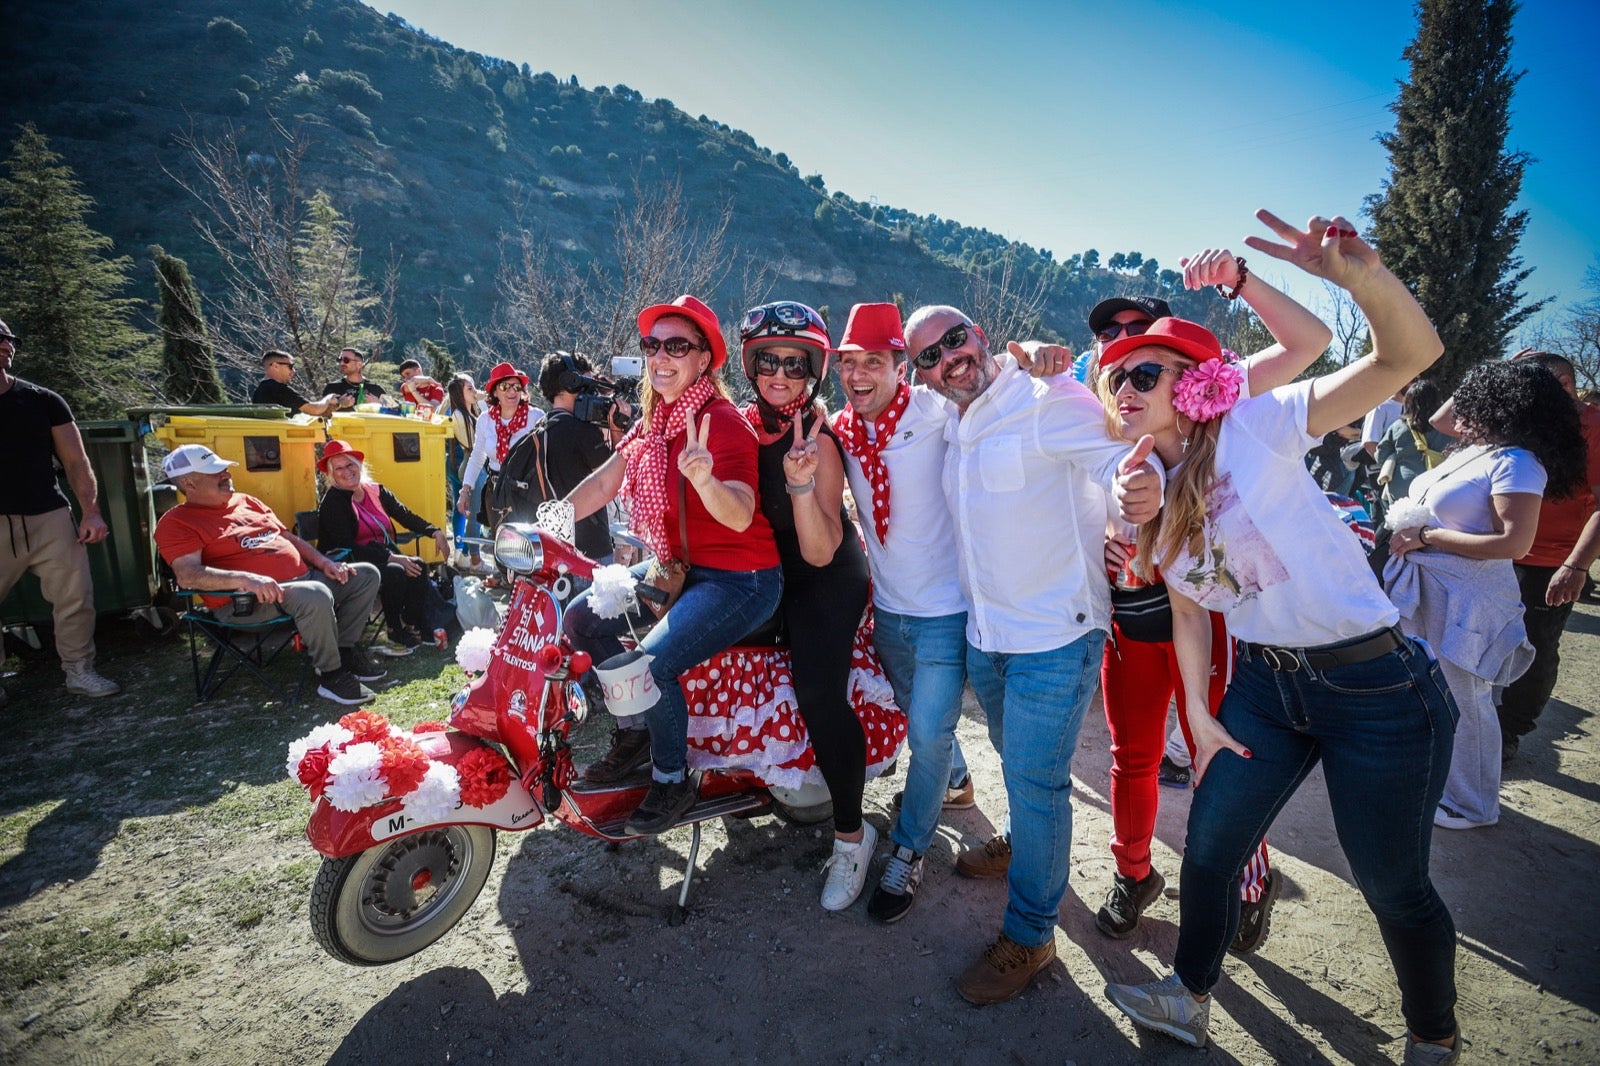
800, 490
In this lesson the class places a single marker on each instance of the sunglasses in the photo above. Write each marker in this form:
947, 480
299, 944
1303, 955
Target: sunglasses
795, 367
1143, 377
953, 338
345, 360
1116, 329
511, 386
677, 347
786, 316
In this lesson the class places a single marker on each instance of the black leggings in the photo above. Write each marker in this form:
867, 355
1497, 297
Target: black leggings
404, 598
821, 610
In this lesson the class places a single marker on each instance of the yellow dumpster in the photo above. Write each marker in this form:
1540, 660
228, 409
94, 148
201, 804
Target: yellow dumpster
405, 456
277, 457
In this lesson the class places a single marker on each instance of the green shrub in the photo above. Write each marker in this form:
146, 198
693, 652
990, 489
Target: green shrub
312, 41
227, 35
233, 102
351, 86
246, 84
350, 120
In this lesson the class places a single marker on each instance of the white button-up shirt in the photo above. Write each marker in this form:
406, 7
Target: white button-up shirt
1026, 477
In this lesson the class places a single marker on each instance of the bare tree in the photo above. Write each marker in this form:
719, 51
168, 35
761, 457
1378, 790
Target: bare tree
1004, 299
1351, 338
661, 252
291, 270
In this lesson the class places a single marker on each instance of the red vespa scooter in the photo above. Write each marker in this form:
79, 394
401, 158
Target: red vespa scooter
406, 821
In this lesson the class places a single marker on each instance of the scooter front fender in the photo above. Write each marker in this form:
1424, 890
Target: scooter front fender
335, 833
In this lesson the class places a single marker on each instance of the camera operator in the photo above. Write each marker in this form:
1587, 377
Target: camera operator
577, 446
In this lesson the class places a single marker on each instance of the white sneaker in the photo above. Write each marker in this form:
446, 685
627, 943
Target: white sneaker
85, 682
847, 869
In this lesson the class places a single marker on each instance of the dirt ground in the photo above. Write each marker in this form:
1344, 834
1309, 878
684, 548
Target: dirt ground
567, 957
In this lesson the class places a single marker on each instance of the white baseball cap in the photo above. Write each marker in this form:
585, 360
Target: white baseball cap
193, 459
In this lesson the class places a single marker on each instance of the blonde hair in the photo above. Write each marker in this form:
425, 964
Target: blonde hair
648, 397
1182, 516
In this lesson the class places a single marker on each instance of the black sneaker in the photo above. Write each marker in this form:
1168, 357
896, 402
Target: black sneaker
406, 637
1255, 919
663, 805
341, 686
355, 660
1509, 746
1172, 775
1125, 902
629, 752
897, 889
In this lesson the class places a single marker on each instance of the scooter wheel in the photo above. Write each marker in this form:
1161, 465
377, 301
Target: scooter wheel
396, 898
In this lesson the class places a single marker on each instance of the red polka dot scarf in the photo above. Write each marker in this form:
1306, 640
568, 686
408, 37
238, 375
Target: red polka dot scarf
786, 413
647, 475
505, 429
851, 429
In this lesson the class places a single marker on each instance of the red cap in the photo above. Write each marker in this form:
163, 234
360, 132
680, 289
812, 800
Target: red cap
500, 373
696, 312
1189, 338
336, 448
873, 328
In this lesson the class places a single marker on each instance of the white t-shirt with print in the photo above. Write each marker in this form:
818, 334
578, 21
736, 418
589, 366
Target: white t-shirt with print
1277, 561
1458, 491
914, 573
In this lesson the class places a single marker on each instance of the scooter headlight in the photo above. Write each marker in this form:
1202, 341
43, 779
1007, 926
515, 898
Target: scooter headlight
518, 548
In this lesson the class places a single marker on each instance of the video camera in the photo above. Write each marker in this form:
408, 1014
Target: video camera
597, 396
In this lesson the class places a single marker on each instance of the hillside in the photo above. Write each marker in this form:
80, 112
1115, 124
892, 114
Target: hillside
436, 153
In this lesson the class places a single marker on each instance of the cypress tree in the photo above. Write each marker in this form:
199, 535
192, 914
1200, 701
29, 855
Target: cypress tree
59, 288
1443, 221
188, 362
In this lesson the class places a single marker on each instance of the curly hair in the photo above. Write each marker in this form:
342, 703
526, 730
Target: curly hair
1524, 406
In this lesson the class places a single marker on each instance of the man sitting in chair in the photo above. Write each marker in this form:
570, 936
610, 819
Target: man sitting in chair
225, 541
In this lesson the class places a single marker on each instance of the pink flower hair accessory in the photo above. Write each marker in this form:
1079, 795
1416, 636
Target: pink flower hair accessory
1207, 390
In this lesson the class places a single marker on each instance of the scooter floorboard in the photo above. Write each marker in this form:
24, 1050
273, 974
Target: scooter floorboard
717, 807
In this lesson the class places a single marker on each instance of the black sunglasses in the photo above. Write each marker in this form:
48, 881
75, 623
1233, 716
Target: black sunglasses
1132, 329
1143, 377
342, 359
953, 338
795, 367
677, 347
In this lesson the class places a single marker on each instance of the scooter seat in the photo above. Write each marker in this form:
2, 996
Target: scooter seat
770, 633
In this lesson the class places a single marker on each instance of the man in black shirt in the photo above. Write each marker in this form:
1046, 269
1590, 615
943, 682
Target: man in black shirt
275, 388
574, 448
352, 388
36, 429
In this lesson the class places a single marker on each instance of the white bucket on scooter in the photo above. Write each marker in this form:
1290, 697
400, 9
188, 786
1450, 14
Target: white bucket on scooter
626, 682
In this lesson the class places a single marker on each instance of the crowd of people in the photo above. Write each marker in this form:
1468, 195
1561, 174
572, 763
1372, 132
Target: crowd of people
1151, 521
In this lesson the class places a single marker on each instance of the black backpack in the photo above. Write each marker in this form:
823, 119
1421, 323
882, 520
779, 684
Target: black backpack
524, 481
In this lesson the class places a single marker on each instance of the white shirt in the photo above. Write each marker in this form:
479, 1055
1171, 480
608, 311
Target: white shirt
912, 574
1276, 560
484, 443
1459, 492
1378, 421
1026, 475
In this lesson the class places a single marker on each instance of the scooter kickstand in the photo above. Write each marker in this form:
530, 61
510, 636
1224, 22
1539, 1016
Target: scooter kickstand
682, 909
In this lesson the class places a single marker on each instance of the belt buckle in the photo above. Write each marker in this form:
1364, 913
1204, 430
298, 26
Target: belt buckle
1281, 660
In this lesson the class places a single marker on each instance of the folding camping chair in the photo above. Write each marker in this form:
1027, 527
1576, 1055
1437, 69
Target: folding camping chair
228, 645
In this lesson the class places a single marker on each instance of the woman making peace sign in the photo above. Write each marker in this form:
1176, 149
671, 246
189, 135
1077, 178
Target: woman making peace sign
687, 473
824, 568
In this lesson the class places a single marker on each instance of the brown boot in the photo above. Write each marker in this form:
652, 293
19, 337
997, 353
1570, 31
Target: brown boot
629, 751
1004, 971
992, 860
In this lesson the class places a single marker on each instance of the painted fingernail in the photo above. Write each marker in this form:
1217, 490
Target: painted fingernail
1247, 754
1348, 233
1333, 231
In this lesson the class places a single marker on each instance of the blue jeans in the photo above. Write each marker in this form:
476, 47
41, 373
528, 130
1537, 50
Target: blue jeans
1382, 730
1035, 702
925, 660
716, 608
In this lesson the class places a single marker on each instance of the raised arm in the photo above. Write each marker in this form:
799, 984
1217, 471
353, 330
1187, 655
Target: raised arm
814, 478
1404, 342
1300, 336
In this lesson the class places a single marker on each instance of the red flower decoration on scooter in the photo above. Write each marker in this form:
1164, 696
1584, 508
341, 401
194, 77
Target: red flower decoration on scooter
485, 777
367, 726
404, 764
313, 771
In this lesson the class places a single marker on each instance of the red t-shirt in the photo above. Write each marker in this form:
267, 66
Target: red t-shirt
1561, 521
243, 534
734, 458
433, 393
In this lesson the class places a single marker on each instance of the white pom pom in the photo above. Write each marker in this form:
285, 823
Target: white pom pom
332, 734
1407, 514
612, 595
436, 798
355, 777
556, 518
472, 650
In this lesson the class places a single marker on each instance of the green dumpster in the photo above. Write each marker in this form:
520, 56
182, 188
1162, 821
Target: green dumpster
123, 565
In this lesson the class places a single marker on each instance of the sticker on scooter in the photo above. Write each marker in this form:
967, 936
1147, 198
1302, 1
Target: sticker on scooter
509, 812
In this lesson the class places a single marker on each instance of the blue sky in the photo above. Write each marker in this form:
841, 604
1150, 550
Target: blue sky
1121, 126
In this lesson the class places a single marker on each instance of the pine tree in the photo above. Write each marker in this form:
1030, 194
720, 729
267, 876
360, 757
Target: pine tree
437, 362
60, 288
1444, 222
188, 362
335, 302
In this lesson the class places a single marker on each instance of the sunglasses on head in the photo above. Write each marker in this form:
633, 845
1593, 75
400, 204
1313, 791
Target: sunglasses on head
677, 347
953, 338
786, 316
1143, 377
796, 367
1116, 329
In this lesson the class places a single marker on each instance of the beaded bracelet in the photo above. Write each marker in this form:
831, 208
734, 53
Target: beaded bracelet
1244, 275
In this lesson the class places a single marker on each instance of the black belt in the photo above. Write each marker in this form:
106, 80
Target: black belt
1327, 656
